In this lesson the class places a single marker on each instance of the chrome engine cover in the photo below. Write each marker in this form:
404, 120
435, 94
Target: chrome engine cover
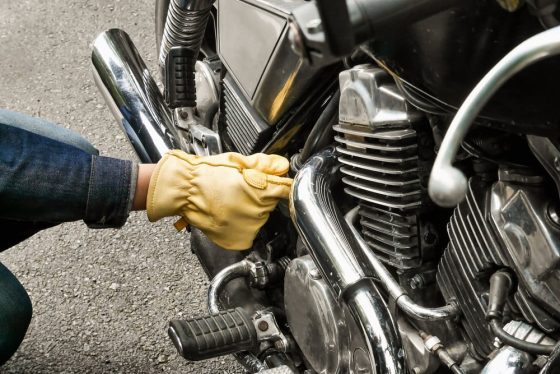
323, 329
270, 75
519, 214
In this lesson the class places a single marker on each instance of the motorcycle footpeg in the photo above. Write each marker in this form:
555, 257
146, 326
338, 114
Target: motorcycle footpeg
180, 89
216, 335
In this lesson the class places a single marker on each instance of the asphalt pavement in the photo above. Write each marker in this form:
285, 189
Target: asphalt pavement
101, 298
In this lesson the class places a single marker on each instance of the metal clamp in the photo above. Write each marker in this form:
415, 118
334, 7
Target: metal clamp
268, 331
448, 185
199, 139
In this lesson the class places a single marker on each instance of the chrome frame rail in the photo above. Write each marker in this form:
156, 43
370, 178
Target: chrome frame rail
331, 243
448, 185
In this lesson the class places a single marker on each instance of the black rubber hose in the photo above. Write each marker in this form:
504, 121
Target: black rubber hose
322, 126
538, 349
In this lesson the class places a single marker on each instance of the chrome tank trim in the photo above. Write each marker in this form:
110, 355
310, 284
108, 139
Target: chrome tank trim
331, 244
132, 95
448, 185
509, 360
404, 302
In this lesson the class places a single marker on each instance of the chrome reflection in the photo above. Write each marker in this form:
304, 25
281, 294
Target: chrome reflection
331, 243
132, 95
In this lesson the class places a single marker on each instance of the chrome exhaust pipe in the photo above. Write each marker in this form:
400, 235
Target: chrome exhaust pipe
331, 244
133, 96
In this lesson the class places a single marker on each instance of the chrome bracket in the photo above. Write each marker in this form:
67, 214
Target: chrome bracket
198, 139
268, 331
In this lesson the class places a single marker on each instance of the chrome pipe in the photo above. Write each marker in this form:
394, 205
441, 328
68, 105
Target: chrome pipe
510, 360
448, 185
133, 96
331, 244
403, 301
238, 270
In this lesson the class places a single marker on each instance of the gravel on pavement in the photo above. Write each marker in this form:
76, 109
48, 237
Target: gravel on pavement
101, 298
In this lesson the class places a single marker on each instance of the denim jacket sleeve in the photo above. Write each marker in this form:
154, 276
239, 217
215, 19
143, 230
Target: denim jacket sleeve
44, 180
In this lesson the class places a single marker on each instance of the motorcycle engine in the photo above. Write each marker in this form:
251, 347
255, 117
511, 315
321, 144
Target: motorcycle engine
509, 222
503, 225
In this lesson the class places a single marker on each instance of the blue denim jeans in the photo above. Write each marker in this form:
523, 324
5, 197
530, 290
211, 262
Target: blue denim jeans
50, 175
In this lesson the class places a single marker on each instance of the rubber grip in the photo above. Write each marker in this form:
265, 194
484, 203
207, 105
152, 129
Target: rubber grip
206, 337
180, 88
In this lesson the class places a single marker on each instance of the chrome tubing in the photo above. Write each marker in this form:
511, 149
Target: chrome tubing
510, 360
133, 96
330, 242
403, 301
238, 270
448, 185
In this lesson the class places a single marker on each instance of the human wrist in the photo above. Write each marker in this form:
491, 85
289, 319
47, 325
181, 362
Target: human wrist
145, 172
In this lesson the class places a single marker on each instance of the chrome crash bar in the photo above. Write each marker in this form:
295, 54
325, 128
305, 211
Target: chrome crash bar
132, 95
448, 185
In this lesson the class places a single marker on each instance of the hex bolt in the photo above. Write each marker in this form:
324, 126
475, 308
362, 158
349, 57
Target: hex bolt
417, 282
263, 325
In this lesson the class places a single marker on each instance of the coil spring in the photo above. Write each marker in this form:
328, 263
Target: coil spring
183, 28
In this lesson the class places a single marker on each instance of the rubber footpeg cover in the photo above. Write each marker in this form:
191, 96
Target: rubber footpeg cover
180, 86
216, 335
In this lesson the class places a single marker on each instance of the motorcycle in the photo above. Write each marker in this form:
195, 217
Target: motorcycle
422, 234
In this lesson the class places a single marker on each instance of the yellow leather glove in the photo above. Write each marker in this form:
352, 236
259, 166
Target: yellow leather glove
228, 196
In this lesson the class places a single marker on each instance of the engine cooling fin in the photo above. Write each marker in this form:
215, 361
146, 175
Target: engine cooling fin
381, 169
245, 129
472, 256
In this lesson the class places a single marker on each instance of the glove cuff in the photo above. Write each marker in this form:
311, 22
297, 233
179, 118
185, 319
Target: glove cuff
168, 191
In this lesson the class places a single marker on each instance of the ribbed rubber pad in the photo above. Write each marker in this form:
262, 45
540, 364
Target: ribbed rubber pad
180, 89
216, 335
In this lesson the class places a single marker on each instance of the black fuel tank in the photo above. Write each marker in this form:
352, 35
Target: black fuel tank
447, 54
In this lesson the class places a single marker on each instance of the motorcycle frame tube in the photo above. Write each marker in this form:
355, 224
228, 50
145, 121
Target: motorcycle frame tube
330, 243
403, 301
133, 96
448, 185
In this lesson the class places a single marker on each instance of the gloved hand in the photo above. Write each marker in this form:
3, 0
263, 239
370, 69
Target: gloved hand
228, 196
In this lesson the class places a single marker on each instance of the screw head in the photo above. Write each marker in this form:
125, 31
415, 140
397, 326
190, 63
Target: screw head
183, 114
262, 325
